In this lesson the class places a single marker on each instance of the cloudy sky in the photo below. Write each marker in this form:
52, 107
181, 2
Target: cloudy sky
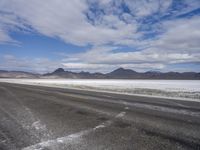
100, 35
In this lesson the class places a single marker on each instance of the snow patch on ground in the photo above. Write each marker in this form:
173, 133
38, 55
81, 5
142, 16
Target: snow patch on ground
38, 126
126, 108
120, 115
54, 143
188, 89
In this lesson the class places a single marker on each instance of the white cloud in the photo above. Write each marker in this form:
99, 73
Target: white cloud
67, 21
4, 37
179, 44
143, 8
108, 67
189, 5
181, 35
9, 22
38, 65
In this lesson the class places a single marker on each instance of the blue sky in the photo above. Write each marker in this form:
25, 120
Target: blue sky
100, 35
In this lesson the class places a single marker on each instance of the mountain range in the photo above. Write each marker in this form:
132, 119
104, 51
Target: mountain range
119, 73
18, 74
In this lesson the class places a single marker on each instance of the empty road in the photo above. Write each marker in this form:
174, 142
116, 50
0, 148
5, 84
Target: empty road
44, 118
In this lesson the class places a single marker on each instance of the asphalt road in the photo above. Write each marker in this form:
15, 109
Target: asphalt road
43, 118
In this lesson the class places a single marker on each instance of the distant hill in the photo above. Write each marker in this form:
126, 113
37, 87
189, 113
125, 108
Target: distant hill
61, 73
119, 73
130, 74
122, 73
17, 74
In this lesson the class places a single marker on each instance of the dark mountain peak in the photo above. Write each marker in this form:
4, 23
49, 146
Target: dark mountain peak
59, 70
153, 72
122, 73
120, 69
84, 72
119, 73
2, 71
123, 70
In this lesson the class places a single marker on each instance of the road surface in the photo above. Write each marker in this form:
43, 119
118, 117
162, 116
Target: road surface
44, 118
